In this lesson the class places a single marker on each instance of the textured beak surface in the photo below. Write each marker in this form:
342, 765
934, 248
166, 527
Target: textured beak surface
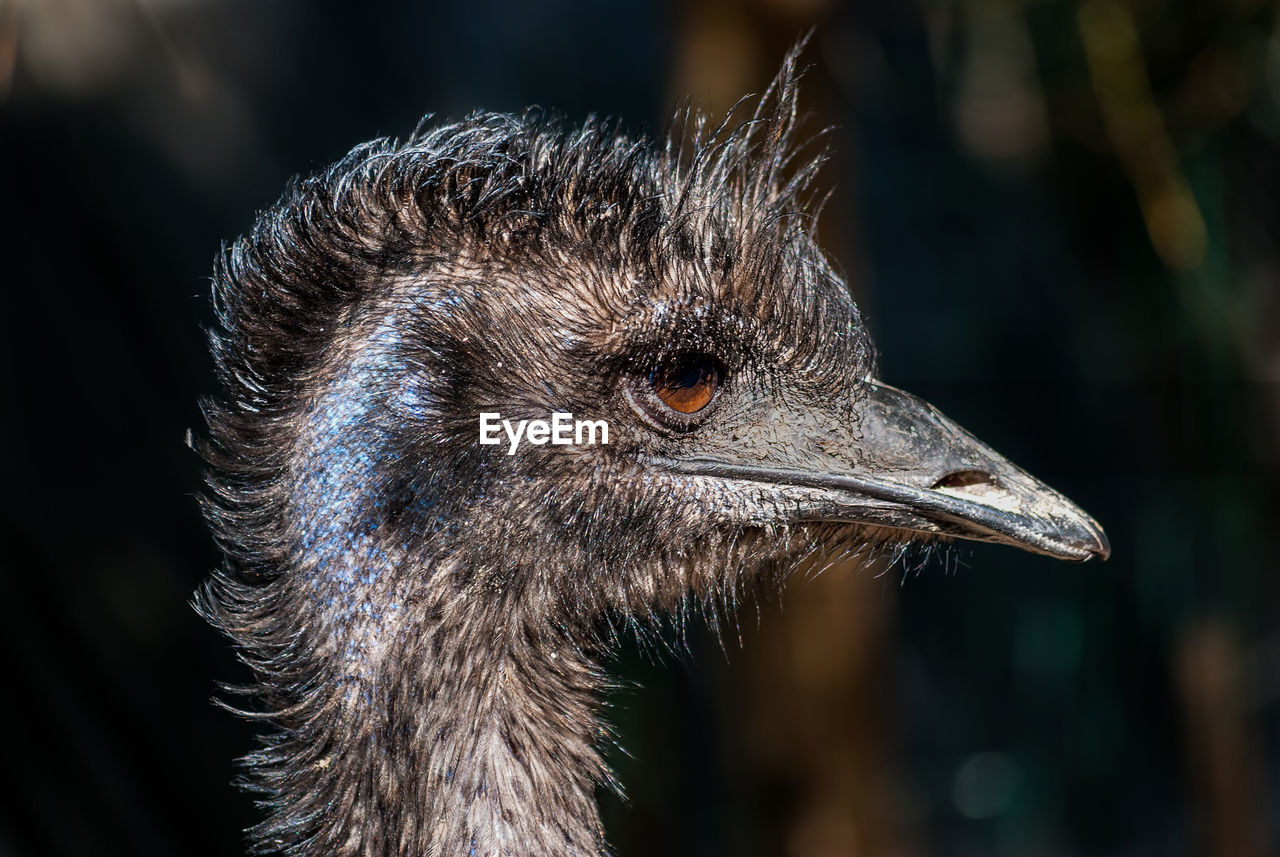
911, 468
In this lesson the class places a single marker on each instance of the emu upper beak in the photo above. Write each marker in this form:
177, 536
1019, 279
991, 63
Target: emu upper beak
913, 469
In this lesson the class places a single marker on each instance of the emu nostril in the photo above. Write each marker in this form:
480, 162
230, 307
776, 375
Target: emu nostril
962, 479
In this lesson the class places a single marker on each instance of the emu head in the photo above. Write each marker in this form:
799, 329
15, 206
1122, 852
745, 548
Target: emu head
384, 565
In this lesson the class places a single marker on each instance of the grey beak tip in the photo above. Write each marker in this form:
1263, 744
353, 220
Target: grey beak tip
1102, 545
1090, 539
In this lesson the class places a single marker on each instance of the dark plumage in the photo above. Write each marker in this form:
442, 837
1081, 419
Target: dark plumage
425, 615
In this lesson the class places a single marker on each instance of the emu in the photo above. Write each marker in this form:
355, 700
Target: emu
426, 616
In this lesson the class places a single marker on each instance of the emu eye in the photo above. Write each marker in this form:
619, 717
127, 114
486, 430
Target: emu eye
679, 393
686, 384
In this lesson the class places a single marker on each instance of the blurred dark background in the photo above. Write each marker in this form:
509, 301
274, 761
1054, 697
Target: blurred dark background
1061, 218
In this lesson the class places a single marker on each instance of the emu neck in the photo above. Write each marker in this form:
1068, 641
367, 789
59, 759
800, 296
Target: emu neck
442, 709
464, 728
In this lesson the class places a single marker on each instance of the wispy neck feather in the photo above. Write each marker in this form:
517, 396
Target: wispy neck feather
469, 733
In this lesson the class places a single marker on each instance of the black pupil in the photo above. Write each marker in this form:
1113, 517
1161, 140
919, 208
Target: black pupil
688, 373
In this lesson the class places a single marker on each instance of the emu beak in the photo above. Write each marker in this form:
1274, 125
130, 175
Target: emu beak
913, 469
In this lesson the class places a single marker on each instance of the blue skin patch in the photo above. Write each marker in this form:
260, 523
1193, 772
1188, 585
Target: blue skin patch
337, 498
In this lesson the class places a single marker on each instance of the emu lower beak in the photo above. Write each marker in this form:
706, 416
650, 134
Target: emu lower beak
914, 469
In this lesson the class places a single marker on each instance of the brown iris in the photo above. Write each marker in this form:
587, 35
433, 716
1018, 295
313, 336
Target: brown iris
686, 384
